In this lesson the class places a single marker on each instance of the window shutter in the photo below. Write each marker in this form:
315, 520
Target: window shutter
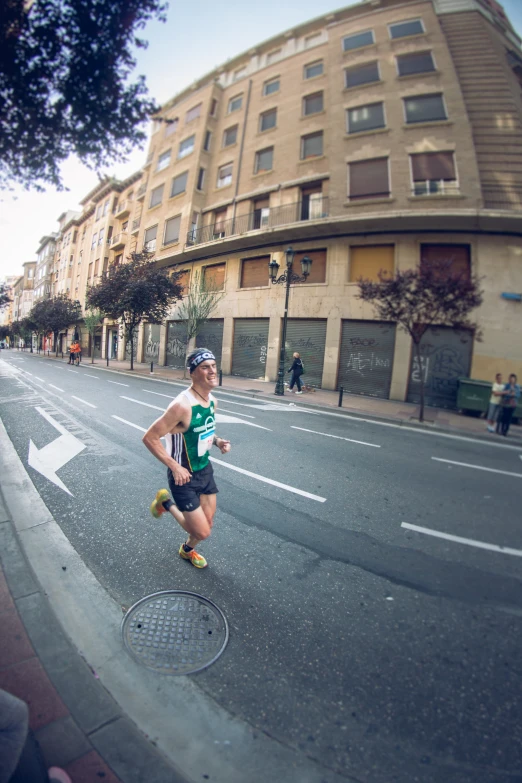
172, 227
214, 276
433, 165
254, 272
369, 179
456, 258
318, 271
368, 261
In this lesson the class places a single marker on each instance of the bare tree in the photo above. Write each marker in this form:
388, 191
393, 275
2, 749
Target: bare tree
417, 299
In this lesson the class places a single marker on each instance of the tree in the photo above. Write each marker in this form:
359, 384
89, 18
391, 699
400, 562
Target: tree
197, 306
4, 296
417, 299
65, 86
55, 314
133, 292
92, 320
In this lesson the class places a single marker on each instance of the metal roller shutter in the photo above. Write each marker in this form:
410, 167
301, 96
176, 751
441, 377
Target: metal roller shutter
211, 336
134, 346
250, 347
308, 338
176, 344
445, 357
366, 360
151, 338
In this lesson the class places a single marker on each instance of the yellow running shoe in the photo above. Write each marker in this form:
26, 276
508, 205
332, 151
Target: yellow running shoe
197, 560
156, 509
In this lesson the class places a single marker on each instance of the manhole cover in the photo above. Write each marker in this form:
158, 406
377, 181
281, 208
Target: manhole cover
175, 632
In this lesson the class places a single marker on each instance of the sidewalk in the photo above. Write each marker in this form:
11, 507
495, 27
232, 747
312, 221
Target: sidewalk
77, 724
400, 413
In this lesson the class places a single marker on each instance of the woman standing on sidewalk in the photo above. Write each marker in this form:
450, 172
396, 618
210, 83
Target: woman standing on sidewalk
495, 402
297, 370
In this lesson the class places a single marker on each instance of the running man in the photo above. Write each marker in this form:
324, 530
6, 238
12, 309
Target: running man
188, 426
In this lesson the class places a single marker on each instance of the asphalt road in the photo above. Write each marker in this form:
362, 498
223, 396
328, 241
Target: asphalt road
358, 634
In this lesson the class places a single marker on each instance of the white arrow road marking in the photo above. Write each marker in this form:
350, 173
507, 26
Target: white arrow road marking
338, 437
506, 550
478, 467
56, 454
84, 401
269, 481
55, 387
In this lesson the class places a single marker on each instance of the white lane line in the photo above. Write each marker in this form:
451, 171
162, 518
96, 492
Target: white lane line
92, 376
55, 387
459, 540
270, 481
236, 413
39, 379
326, 435
76, 371
158, 394
139, 402
478, 467
124, 421
27, 372
84, 401
119, 384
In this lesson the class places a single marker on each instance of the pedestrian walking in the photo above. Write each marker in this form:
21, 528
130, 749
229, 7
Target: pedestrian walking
72, 352
188, 426
509, 403
296, 370
495, 403
78, 353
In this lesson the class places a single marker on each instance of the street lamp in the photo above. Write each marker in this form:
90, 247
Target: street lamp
287, 278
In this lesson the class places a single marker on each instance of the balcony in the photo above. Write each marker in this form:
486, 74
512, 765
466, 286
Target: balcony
123, 209
261, 219
119, 240
150, 158
135, 226
435, 187
140, 194
505, 197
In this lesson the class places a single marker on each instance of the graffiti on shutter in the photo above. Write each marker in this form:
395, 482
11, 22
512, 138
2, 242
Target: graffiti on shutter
366, 358
250, 347
152, 342
211, 337
176, 344
307, 338
445, 357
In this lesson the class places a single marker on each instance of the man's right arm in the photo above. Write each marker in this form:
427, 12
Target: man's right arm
166, 424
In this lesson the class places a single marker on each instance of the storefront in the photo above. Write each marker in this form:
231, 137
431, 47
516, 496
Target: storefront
176, 344
250, 347
308, 338
445, 357
151, 339
211, 336
366, 357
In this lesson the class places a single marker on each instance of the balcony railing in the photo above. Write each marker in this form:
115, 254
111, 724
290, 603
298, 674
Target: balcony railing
507, 197
141, 192
119, 240
123, 208
135, 225
435, 187
314, 209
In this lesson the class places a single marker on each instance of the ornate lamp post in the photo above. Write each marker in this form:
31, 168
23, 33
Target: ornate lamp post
287, 278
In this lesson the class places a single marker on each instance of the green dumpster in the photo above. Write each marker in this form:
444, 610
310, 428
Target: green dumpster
473, 395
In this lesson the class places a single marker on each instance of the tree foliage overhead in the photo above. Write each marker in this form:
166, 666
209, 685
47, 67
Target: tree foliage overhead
4, 296
65, 87
133, 292
417, 299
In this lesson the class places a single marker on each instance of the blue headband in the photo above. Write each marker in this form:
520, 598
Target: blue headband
199, 357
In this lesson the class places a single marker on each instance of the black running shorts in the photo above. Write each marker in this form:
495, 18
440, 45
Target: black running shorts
186, 496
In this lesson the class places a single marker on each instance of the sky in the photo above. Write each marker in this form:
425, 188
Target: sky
197, 37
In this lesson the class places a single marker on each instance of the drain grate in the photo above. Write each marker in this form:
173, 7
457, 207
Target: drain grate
175, 632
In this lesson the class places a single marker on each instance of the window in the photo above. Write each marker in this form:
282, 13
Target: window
186, 146
230, 136
273, 56
118, 260
357, 40
368, 261
206, 144
172, 226
220, 217
99, 211
163, 161
96, 267
100, 237
254, 272
171, 127
366, 118
214, 277
269, 88
179, 184
235, 104
416, 62
156, 196
261, 213
312, 40
224, 175
312, 145
268, 120
362, 74
312, 104
313, 204
193, 113
424, 108
149, 240
183, 280
314, 69
94, 238
369, 179
264, 160
433, 172
105, 210
403, 29
201, 179
448, 260
89, 271
213, 107
240, 73
318, 271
